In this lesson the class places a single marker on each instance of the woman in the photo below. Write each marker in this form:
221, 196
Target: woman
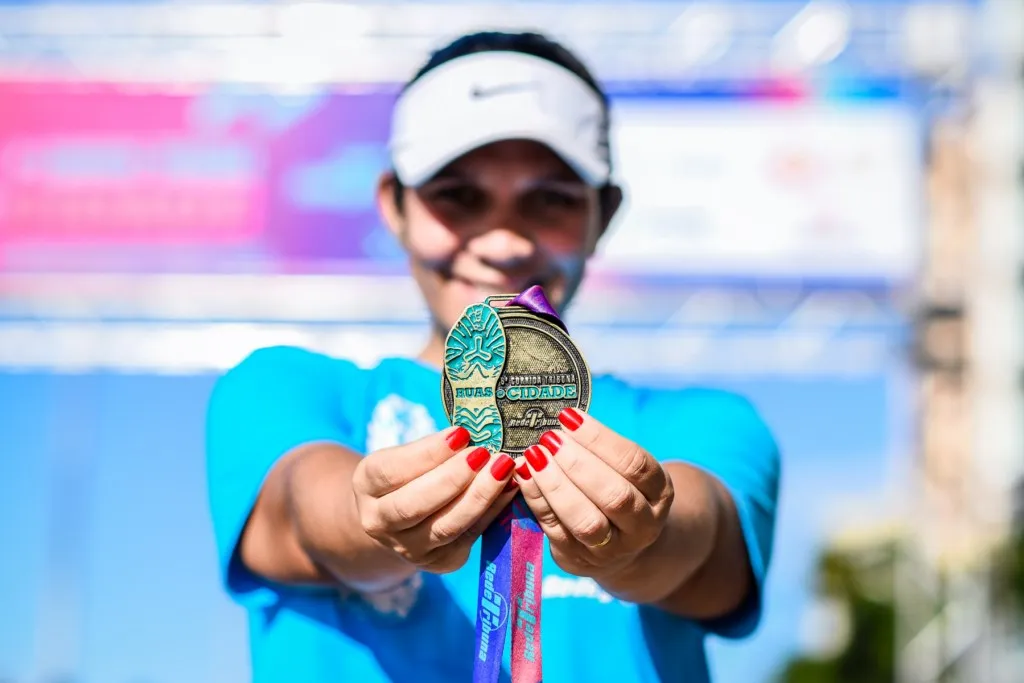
347, 516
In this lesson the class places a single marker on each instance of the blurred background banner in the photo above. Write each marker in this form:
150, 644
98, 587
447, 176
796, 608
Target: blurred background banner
247, 137
143, 178
769, 188
140, 178
823, 213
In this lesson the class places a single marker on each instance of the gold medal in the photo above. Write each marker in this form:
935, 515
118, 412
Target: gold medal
508, 372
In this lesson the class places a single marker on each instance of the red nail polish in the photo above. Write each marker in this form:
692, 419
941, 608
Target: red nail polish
510, 485
458, 439
502, 467
551, 441
477, 458
535, 456
570, 419
524, 471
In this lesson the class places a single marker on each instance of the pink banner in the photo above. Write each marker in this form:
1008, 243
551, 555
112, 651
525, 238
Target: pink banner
103, 166
94, 174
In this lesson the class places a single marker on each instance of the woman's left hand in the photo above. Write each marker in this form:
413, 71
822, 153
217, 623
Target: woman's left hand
600, 498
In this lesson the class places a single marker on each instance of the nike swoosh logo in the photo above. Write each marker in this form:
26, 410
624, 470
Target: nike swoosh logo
479, 92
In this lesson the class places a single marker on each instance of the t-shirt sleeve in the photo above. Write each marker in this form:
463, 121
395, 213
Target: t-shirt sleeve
273, 401
724, 435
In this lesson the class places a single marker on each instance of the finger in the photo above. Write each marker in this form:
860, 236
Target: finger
433, 490
450, 557
577, 513
461, 514
619, 500
538, 504
567, 552
500, 506
624, 456
391, 468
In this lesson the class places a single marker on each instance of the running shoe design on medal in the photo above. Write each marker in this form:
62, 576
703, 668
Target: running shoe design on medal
508, 372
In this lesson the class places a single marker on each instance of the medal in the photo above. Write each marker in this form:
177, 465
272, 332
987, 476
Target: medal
509, 368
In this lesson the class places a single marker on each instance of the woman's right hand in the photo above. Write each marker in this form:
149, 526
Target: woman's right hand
429, 500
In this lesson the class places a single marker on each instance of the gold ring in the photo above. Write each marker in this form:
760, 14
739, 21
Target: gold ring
606, 541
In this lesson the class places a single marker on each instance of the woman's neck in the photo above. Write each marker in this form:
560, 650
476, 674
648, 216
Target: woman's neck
433, 353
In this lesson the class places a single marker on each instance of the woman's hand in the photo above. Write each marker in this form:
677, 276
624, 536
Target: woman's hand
429, 500
601, 502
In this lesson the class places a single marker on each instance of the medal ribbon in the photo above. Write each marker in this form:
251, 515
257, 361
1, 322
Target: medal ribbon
527, 577
511, 572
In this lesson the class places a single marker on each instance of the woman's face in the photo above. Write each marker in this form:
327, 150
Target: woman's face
497, 220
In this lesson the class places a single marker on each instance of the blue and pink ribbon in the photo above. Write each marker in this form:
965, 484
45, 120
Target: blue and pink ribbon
511, 573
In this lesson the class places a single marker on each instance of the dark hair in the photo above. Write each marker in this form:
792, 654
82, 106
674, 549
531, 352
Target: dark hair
526, 43
533, 44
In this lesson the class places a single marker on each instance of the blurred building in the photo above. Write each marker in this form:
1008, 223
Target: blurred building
971, 352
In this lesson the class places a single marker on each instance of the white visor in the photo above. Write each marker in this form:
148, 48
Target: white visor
486, 97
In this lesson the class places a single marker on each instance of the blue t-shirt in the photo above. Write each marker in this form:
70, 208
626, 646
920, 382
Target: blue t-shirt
279, 398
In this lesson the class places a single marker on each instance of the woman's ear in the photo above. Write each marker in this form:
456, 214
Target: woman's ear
609, 200
389, 202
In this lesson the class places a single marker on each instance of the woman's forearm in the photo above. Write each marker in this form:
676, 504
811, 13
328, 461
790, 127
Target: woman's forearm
698, 567
305, 526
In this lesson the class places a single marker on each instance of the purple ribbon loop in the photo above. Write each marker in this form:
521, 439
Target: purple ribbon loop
534, 299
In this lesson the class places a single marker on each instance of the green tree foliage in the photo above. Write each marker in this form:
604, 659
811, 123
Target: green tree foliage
862, 581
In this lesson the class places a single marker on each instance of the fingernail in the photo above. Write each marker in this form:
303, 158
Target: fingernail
510, 485
458, 439
570, 419
551, 441
502, 467
524, 471
535, 456
477, 458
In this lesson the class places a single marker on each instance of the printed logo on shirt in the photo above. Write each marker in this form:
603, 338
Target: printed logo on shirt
395, 421
574, 587
397, 601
